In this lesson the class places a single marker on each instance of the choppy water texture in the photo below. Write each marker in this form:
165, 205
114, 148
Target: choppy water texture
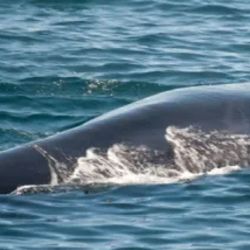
65, 62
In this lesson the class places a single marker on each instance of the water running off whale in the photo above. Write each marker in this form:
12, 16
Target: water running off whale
194, 153
171, 136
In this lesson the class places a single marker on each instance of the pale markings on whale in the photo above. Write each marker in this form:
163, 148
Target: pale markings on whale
195, 153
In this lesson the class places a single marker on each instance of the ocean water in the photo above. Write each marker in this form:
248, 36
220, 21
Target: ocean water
65, 62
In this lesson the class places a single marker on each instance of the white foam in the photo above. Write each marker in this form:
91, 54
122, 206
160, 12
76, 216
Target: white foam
224, 170
195, 153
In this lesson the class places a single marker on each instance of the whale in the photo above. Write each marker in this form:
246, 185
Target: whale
216, 107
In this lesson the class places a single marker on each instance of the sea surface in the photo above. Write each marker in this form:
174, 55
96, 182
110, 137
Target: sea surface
64, 62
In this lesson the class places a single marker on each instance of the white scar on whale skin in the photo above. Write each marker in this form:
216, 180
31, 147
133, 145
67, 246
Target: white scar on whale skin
201, 152
51, 163
195, 153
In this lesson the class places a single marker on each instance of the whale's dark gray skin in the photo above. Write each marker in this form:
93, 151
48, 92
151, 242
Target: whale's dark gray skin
222, 107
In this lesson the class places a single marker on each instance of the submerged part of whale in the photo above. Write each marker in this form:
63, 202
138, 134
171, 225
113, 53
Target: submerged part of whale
191, 130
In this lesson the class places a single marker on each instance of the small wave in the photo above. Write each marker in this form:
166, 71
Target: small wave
20, 137
193, 153
29, 116
71, 87
11, 36
196, 76
56, 88
217, 10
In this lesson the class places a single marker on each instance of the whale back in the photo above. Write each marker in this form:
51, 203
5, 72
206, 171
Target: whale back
221, 108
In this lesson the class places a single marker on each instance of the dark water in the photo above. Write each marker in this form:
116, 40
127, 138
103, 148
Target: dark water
65, 62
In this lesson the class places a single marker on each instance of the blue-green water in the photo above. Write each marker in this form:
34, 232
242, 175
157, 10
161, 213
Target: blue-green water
65, 62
